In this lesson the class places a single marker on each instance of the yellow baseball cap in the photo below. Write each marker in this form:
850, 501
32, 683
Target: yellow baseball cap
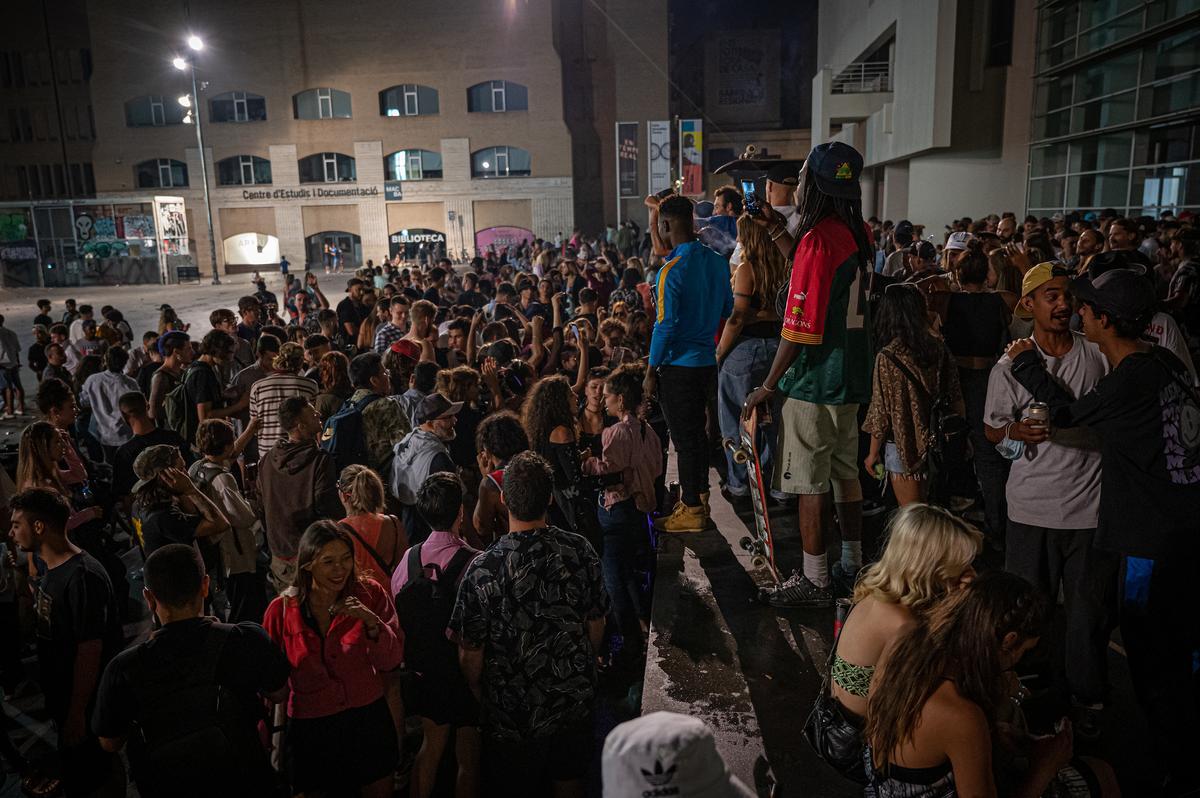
1035, 278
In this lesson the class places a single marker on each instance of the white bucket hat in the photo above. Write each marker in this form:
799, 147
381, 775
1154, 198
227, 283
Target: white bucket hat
666, 754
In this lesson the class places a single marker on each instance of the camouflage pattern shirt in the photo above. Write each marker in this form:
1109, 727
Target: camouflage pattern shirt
384, 425
526, 601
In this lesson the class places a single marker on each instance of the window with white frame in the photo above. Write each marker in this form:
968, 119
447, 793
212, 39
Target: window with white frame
243, 170
321, 103
497, 97
412, 165
408, 99
152, 111
161, 173
500, 162
327, 167
238, 106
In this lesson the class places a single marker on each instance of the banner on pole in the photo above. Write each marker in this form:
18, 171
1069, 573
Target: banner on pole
691, 156
627, 159
659, 141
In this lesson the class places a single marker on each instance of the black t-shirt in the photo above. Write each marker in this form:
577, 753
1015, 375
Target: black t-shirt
74, 604
472, 298
165, 524
123, 476
145, 374
350, 312
203, 385
42, 318
434, 295
1149, 495
249, 664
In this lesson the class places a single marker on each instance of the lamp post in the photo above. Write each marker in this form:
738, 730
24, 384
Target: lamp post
192, 103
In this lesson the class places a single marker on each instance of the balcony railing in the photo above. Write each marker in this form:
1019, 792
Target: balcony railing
861, 77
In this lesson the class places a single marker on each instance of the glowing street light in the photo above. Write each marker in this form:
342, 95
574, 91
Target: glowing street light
192, 103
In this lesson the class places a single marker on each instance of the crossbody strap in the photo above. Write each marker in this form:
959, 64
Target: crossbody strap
383, 566
908, 375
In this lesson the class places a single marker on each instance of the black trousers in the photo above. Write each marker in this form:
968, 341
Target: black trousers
1159, 630
1050, 558
684, 393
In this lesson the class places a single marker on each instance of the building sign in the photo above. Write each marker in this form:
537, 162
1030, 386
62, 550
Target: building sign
691, 156
627, 159
741, 77
393, 190
308, 193
408, 242
418, 235
659, 150
500, 237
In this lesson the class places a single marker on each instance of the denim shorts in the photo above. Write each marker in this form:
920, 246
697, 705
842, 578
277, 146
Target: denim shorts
891, 462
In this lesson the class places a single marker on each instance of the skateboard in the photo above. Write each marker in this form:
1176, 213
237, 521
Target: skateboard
760, 545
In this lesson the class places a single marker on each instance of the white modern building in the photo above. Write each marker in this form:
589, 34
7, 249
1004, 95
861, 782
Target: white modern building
936, 95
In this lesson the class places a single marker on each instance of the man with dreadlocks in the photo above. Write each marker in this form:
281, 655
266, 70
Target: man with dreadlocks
822, 368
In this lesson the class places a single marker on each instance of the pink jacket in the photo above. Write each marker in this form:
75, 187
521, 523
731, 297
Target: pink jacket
341, 670
633, 450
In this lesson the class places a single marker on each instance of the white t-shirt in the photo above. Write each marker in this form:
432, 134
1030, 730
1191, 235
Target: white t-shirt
1055, 484
793, 224
1164, 331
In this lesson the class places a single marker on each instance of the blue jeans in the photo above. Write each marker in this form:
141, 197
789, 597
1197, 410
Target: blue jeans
743, 370
624, 531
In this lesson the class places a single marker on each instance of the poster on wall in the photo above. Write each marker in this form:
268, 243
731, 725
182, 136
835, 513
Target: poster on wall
691, 156
500, 237
659, 155
627, 158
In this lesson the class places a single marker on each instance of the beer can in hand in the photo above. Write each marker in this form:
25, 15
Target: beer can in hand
1038, 414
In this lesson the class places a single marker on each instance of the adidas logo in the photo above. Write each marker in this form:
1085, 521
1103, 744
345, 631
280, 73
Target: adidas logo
659, 777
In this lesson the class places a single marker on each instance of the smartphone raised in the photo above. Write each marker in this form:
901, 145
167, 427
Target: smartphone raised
750, 198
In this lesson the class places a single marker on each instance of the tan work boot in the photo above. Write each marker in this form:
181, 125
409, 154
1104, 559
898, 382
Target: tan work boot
683, 519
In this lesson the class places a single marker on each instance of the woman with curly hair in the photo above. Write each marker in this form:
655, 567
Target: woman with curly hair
334, 372
499, 438
549, 416
41, 449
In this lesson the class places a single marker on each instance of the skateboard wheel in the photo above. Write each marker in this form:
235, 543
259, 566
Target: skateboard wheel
747, 543
758, 561
740, 457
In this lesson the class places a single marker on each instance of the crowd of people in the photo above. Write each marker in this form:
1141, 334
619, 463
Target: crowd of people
435, 505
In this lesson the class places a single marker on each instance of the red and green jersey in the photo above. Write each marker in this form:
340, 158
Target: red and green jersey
827, 313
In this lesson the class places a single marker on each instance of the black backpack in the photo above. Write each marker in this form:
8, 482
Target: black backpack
946, 449
192, 734
345, 435
424, 606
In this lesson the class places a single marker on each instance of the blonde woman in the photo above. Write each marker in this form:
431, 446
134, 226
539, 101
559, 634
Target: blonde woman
927, 555
41, 451
749, 340
379, 539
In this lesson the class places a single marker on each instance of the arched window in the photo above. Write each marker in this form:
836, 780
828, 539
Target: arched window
500, 162
243, 170
153, 110
321, 104
497, 97
237, 106
412, 165
161, 173
327, 167
408, 99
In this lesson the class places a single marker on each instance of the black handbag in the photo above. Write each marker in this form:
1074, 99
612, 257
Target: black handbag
832, 733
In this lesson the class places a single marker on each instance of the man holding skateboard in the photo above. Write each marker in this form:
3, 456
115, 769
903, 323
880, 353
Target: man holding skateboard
823, 365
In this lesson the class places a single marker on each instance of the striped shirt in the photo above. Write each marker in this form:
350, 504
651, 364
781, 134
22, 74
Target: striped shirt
267, 395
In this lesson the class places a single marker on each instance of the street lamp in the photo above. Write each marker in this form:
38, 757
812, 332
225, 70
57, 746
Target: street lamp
192, 103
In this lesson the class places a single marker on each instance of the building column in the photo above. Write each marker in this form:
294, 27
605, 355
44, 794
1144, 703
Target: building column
895, 191
289, 229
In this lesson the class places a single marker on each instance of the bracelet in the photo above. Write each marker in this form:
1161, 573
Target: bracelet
779, 231
765, 388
